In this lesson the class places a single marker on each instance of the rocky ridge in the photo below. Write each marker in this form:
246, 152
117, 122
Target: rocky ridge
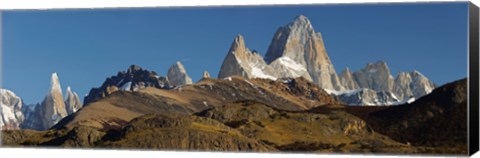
298, 51
134, 79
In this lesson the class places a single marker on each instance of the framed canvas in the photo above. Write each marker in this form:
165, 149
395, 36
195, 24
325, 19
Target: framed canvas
374, 78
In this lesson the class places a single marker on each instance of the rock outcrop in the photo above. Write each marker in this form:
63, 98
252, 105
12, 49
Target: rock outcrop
205, 74
177, 75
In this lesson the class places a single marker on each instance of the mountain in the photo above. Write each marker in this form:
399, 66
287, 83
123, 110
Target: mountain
11, 106
347, 79
299, 44
120, 107
238, 114
72, 101
413, 84
296, 51
134, 79
50, 111
375, 76
53, 106
177, 75
240, 61
233, 114
374, 85
438, 119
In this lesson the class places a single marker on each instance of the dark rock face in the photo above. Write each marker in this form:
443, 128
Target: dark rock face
134, 79
438, 119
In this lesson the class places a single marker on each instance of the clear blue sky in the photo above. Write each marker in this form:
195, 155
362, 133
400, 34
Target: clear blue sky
86, 46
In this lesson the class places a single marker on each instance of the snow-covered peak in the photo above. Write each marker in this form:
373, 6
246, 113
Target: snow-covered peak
11, 105
55, 86
377, 66
69, 91
6, 93
240, 61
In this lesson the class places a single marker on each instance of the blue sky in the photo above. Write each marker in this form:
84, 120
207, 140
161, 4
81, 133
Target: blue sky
86, 46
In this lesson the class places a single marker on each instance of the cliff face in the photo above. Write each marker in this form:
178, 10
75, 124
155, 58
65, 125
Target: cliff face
299, 42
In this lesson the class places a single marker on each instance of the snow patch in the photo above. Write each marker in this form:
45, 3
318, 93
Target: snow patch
411, 100
205, 103
258, 73
290, 64
344, 92
126, 86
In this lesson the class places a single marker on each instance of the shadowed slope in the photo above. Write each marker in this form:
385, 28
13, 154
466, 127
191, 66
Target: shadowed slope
438, 119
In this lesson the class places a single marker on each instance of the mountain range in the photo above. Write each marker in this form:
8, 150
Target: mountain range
297, 50
238, 114
16, 114
290, 100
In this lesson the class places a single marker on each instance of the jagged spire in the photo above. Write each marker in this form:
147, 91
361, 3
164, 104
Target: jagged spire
238, 45
55, 86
